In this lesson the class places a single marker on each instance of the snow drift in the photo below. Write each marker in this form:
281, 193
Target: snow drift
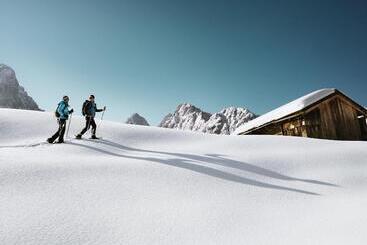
150, 185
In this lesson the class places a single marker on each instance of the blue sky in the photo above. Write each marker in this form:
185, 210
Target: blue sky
149, 56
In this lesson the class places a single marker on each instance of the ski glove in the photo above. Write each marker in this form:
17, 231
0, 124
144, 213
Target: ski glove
71, 111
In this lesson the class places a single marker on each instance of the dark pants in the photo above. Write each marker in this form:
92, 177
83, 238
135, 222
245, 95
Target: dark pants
89, 121
60, 132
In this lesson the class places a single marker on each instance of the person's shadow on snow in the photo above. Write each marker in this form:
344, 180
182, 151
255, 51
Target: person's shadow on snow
188, 161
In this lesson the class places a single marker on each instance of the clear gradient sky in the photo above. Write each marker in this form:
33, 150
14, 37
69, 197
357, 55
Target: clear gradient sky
147, 56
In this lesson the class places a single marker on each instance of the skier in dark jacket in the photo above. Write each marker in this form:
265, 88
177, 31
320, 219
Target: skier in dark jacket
62, 113
89, 111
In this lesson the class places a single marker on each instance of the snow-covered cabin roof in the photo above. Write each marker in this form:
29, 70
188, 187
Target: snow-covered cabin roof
287, 109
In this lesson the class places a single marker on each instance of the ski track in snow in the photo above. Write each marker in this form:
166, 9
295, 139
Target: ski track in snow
147, 185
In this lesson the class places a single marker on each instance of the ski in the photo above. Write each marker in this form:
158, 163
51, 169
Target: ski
88, 139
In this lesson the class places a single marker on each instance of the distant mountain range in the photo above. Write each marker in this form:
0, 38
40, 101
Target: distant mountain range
189, 117
12, 95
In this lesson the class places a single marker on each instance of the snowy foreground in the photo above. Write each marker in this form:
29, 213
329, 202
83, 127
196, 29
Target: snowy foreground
147, 185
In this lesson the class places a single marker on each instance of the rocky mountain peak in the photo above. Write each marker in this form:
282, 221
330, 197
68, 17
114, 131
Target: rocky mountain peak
189, 117
12, 95
137, 120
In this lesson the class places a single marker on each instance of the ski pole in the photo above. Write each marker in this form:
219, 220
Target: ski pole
67, 131
100, 122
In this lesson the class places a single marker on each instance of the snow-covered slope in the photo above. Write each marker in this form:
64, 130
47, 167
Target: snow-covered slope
12, 95
189, 117
136, 119
150, 185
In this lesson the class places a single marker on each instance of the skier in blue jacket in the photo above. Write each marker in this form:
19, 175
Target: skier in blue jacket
89, 111
62, 113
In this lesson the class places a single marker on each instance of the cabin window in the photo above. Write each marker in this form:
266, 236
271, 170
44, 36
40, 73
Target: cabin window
293, 128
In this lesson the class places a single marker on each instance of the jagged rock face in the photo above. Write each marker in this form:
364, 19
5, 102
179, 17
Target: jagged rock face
236, 117
217, 124
189, 117
12, 95
137, 120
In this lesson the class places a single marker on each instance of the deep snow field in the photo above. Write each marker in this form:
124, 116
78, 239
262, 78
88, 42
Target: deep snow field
148, 185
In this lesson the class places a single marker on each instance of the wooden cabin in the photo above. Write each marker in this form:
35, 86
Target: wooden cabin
324, 114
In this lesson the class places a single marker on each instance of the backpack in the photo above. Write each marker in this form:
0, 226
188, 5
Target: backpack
86, 104
57, 114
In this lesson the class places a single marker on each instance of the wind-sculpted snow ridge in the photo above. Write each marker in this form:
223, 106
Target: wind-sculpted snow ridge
189, 117
12, 95
150, 185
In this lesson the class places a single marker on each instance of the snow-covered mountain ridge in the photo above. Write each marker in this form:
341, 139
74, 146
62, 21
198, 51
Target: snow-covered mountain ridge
12, 95
189, 117
150, 185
